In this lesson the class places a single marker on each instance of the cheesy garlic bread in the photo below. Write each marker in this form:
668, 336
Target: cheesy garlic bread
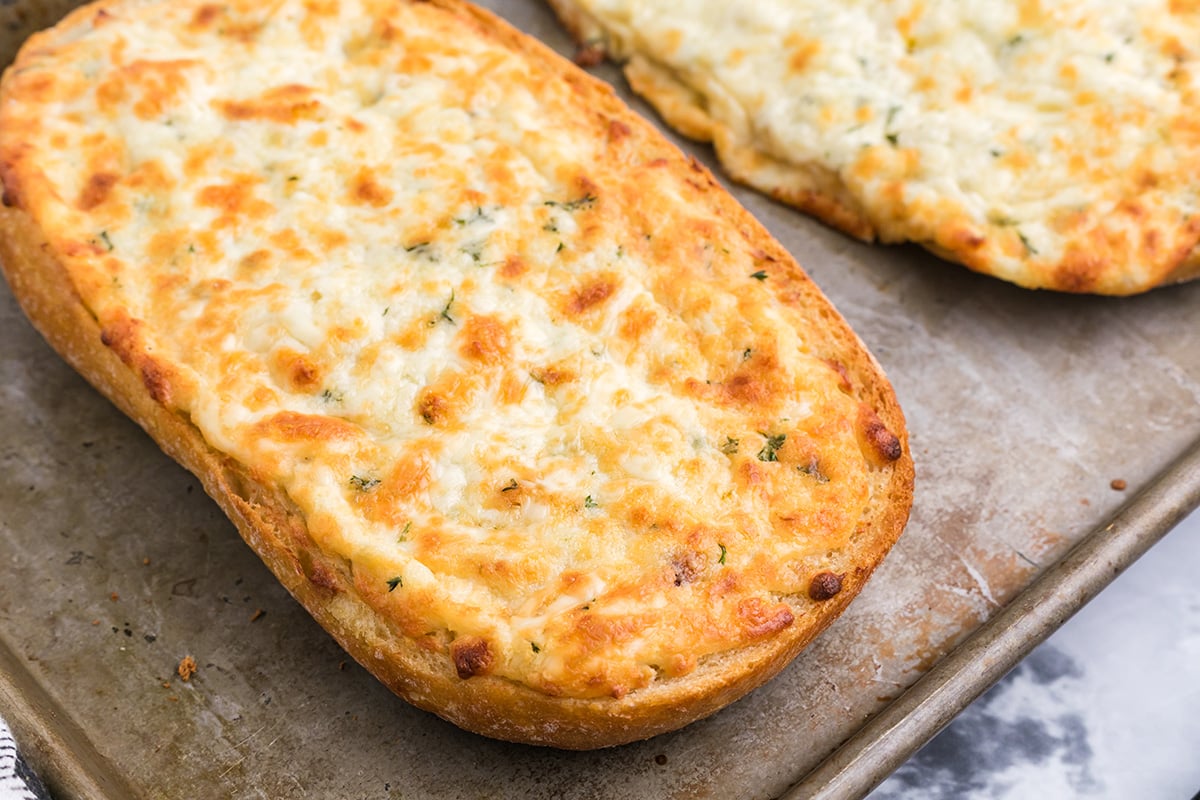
1050, 143
538, 422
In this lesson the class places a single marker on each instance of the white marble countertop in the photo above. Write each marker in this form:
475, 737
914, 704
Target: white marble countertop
1107, 707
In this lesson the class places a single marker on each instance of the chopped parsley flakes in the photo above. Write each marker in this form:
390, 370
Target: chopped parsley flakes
773, 443
363, 484
572, 205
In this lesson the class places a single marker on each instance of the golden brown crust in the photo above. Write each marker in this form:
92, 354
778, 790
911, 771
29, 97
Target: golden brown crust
460, 688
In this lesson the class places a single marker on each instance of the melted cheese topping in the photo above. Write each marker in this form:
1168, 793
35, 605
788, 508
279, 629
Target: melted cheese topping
1049, 142
516, 374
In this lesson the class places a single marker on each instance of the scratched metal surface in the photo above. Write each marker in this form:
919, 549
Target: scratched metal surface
1022, 408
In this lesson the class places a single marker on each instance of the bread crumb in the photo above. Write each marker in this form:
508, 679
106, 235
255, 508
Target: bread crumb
114, 597
95, 622
187, 668
166, 684
589, 54
258, 614
1118, 484
145, 562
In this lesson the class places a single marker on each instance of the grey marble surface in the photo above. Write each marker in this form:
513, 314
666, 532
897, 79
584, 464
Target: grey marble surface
1108, 707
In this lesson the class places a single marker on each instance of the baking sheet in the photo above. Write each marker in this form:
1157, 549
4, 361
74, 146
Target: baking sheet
1022, 408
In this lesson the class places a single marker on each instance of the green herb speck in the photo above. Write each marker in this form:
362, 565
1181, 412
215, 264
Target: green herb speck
768, 451
759, 276
813, 470
446, 311
363, 484
572, 205
721, 560
394, 582
730, 446
1029, 248
588, 502
479, 215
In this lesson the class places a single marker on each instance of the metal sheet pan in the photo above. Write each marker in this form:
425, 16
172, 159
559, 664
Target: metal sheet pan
1023, 407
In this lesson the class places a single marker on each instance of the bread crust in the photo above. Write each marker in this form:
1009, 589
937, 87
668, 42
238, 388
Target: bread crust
276, 530
1097, 257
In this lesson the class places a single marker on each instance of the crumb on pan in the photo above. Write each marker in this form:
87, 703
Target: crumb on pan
187, 668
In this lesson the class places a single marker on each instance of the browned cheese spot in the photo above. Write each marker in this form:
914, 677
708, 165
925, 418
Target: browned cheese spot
320, 575
803, 51
961, 239
618, 130
485, 339
638, 321
156, 379
825, 585
234, 199
686, 567
591, 294
513, 267
387, 502
96, 191
552, 375
844, 384
472, 656
205, 15
296, 371
365, 191
760, 618
283, 104
879, 444
757, 383
432, 407
255, 261
290, 426
1080, 270
121, 337
9, 180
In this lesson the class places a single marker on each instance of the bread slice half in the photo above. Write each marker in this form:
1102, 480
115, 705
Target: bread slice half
541, 425
1051, 145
